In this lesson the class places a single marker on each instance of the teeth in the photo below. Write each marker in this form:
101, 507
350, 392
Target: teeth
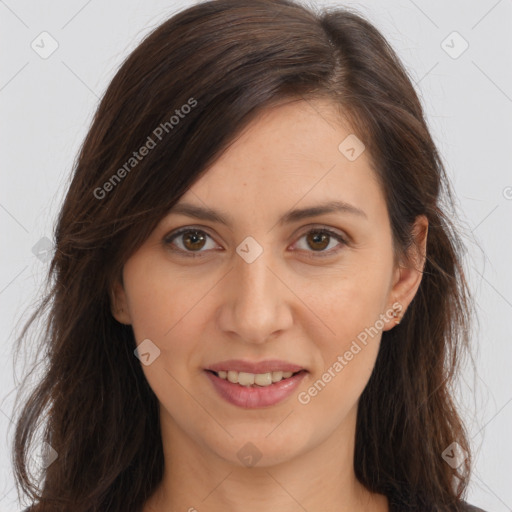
261, 379
249, 379
246, 379
277, 376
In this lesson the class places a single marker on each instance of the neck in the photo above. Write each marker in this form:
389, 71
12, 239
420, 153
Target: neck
318, 479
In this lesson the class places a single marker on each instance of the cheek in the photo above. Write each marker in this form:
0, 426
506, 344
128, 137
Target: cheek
347, 356
158, 299
162, 309
349, 303
350, 327
169, 310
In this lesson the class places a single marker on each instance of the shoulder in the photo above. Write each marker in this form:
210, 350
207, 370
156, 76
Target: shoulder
471, 508
463, 506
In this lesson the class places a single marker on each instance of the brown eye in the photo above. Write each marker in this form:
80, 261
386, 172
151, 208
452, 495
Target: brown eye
317, 240
193, 240
190, 241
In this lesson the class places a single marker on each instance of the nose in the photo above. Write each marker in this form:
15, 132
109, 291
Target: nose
256, 301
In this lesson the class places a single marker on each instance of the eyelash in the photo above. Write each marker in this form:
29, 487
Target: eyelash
168, 239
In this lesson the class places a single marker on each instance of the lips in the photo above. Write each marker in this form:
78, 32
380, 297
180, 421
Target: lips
268, 366
254, 385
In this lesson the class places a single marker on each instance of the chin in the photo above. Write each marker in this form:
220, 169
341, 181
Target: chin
258, 447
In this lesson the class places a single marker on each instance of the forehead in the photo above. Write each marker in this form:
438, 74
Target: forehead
302, 151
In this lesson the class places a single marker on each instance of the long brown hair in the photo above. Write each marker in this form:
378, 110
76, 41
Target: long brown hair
184, 93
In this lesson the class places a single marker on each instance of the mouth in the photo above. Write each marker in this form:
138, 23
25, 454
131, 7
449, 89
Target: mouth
255, 385
248, 379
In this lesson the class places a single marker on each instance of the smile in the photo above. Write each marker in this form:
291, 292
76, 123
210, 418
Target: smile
246, 393
254, 379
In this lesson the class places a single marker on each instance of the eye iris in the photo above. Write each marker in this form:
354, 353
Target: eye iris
193, 237
319, 238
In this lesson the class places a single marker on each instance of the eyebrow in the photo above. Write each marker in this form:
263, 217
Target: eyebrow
204, 213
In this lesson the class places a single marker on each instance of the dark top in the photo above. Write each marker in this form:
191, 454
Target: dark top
471, 508
394, 508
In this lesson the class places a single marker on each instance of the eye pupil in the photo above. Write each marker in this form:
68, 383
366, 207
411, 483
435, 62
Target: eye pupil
321, 238
193, 236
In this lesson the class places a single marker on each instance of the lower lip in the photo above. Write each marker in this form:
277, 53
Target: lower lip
255, 397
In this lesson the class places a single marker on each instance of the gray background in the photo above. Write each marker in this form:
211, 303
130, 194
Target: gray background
47, 104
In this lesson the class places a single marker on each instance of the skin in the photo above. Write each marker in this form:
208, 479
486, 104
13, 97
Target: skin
283, 305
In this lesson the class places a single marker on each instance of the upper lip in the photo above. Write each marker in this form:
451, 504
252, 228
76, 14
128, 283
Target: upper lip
267, 366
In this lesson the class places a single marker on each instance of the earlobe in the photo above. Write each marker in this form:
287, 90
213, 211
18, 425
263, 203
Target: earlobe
119, 304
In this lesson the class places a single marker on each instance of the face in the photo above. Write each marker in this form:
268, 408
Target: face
310, 292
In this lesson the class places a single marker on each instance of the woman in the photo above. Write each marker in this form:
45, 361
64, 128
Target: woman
257, 300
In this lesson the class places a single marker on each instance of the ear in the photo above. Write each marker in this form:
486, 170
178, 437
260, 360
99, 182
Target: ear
119, 302
408, 274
